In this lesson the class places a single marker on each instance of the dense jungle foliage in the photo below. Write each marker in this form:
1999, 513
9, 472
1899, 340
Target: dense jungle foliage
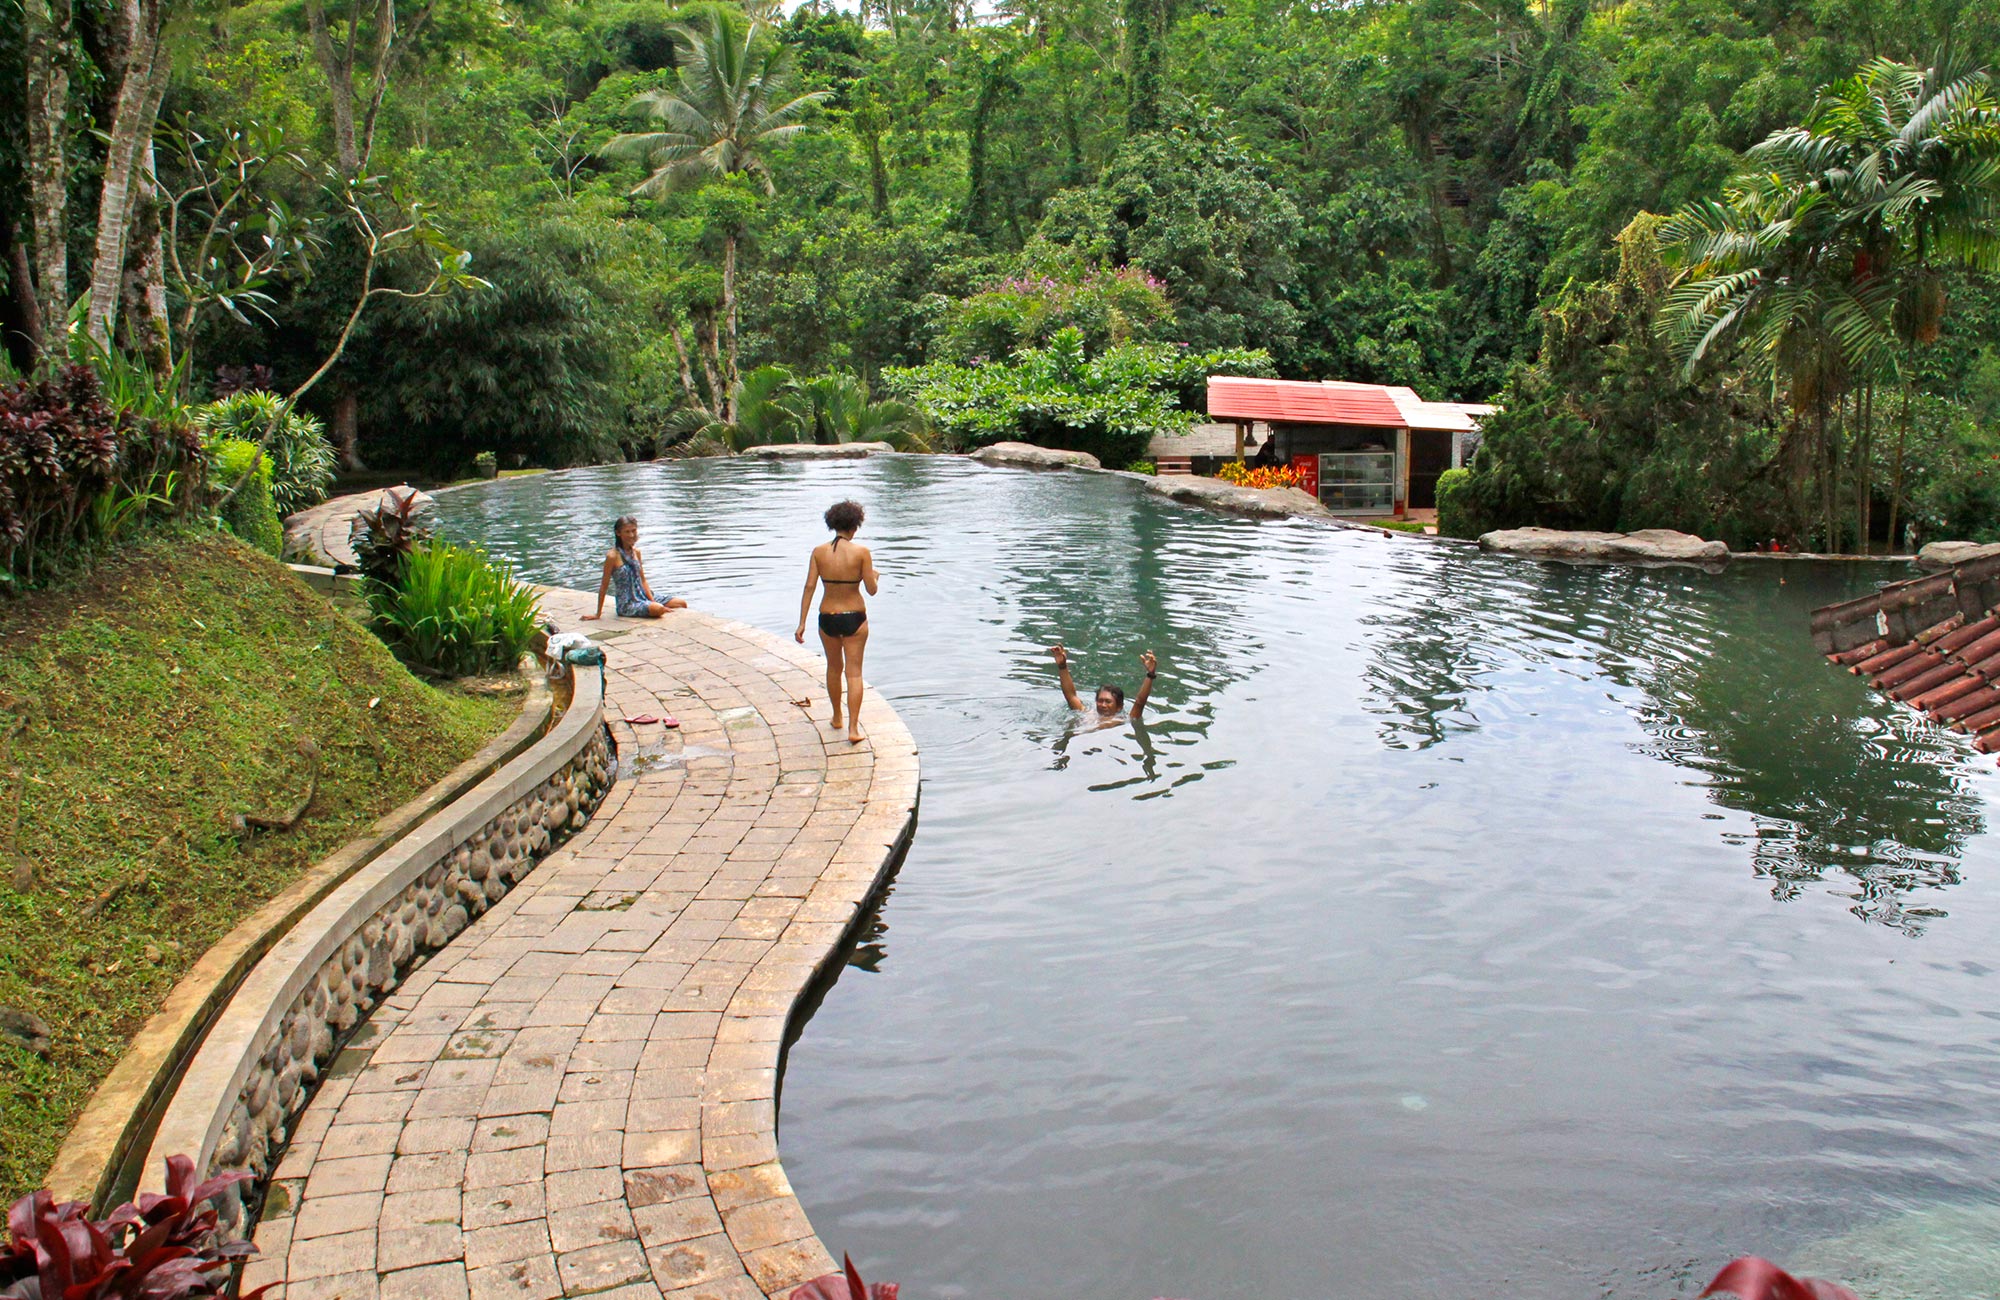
564, 230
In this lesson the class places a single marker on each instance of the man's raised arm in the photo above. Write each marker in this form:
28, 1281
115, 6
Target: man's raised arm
1061, 656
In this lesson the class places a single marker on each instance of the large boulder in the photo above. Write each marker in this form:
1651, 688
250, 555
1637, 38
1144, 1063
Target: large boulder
817, 451
1258, 503
1032, 457
1943, 555
1647, 546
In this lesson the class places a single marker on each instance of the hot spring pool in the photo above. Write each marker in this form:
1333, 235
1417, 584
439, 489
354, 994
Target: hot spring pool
1455, 926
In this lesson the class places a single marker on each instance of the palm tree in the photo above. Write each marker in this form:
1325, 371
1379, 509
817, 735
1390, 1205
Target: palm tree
1820, 259
774, 406
729, 106
1914, 154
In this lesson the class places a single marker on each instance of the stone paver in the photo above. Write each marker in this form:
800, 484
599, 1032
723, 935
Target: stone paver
577, 1095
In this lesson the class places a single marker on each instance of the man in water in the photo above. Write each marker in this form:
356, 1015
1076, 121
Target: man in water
1110, 699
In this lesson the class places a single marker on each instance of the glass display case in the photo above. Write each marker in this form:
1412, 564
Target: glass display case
1358, 482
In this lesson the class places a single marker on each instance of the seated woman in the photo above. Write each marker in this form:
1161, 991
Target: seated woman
624, 572
843, 615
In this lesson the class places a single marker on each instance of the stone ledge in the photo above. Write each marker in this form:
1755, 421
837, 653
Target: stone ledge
1256, 503
269, 1045
816, 451
1027, 455
88, 1163
1647, 546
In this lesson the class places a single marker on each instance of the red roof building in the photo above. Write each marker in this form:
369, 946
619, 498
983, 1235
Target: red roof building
1292, 401
1362, 449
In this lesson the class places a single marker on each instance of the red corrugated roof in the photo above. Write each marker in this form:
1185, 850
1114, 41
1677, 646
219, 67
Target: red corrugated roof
1291, 401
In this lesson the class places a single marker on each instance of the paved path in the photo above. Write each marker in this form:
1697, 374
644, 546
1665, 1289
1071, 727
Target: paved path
577, 1095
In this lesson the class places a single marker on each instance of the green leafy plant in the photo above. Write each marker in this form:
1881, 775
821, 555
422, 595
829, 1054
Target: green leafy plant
1455, 517
453, 613
1143, 467
1111, 405
486, 465
301, 460
248, 510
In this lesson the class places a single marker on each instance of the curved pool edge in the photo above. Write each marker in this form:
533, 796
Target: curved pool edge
579, 1093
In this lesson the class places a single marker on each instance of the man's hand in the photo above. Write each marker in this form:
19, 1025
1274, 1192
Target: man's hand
1060, 655
1150, 664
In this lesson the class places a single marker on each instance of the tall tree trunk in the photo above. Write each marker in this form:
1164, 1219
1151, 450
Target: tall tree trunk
1896, 473
1142, 62
1864, 465
147, 331
711, 363
343, 427
336, 64
687, 371
46, 26
978, 186
20, 312
730, 375
142, 85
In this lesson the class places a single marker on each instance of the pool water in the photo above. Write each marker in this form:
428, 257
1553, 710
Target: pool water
1453, 926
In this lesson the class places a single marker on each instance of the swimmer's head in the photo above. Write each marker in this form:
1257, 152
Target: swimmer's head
844, 517
1110, 699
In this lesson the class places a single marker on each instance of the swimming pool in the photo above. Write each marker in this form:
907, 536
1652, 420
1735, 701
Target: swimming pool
1455, 925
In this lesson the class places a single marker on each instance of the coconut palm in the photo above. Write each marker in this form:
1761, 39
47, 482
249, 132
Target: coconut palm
729, 106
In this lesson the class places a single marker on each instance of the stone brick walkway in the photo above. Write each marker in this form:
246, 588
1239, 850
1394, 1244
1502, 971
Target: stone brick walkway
577, 1095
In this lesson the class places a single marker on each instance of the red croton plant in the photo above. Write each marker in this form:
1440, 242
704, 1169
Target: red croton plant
1748, 1278
161, 1247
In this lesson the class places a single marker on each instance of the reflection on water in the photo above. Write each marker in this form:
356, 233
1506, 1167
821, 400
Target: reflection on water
1450, 924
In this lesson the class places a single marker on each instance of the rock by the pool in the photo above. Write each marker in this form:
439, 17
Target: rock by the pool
1033, 457
817, 451
1647, 546
1943, 555
1258, 503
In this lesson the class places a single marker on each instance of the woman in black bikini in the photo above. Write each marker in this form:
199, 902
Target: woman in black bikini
843, 616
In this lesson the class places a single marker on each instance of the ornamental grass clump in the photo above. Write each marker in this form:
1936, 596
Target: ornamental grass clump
453, 613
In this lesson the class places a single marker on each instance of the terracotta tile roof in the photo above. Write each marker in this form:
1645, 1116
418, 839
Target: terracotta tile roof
1932, 643
1292, 401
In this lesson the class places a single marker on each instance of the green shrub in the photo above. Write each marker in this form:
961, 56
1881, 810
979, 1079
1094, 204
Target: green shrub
301, 460
1454, 513
486, 465
250, 513
1143, 467
453, 613
1111, 406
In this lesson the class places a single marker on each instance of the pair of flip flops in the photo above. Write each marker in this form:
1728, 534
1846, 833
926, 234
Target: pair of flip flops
648, 720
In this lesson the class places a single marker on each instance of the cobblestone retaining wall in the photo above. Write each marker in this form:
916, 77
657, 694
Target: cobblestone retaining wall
255, 1073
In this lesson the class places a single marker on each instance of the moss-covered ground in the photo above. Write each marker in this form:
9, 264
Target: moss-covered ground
179, 683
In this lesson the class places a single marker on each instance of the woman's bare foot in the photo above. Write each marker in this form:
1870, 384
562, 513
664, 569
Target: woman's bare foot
854, 736
838, 722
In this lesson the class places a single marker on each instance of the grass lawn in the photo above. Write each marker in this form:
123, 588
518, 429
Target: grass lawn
141, 707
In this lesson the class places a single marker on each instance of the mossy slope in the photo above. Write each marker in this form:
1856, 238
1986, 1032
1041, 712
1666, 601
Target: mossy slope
142, 708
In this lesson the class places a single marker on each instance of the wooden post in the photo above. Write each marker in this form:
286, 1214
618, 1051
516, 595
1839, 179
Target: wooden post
1239, 441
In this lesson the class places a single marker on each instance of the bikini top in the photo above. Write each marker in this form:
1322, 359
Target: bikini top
840, 582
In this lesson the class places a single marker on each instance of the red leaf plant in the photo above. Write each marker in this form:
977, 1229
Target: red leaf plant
161, 1247
846, 1285
1751, 1278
